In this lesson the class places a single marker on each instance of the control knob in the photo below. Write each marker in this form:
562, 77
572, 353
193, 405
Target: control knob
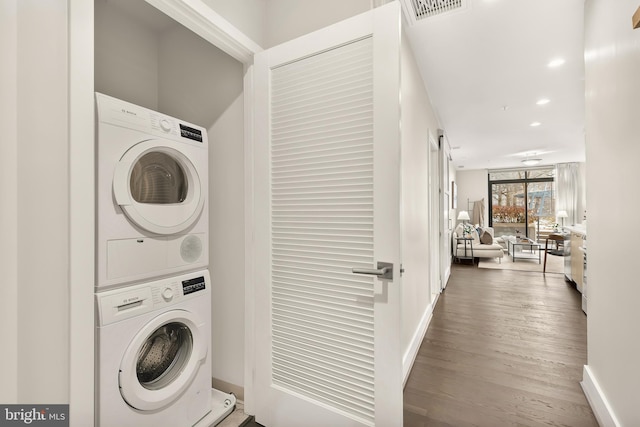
167, 294
165, 125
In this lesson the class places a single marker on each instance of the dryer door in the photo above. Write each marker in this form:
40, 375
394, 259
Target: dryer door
158, 187
162, 360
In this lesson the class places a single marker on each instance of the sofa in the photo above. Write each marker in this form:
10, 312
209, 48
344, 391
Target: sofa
485, 245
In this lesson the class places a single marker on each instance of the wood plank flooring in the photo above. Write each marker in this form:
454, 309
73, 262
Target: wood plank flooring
504, 348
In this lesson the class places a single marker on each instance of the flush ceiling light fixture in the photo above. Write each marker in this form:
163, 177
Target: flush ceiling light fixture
529, 161
534, 124
543, 101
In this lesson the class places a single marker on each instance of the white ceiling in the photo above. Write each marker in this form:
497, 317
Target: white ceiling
486, 56
485, 67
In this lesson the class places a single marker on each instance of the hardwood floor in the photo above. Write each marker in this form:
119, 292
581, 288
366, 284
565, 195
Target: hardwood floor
504, 348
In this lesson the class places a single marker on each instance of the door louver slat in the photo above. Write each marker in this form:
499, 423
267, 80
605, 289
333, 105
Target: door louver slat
321, 226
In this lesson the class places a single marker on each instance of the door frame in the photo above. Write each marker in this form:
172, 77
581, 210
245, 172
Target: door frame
435, 219
202, 20
445, 209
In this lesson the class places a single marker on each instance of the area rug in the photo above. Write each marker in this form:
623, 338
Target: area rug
555, 264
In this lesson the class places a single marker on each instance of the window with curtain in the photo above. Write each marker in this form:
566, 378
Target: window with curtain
523, 202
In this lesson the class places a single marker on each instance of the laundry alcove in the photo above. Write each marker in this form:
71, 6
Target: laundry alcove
145, 57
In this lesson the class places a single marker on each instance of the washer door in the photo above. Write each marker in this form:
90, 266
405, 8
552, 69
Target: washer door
162, 360
158, 187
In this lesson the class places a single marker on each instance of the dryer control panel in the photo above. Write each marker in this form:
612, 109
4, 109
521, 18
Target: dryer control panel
125, 114
171, 126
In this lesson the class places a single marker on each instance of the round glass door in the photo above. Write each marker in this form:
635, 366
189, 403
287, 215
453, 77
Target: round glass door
162, 360
164, 355
158, 178
158, 188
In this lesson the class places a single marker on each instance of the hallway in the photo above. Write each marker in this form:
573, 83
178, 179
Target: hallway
504, 348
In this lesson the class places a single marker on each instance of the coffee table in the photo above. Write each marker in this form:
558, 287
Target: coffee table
523, 248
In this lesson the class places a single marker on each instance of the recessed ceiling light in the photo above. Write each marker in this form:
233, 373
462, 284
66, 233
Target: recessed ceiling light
534, 124
543, 101
555, 63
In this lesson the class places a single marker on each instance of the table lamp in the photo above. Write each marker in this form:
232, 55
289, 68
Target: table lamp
463, 216
562, 215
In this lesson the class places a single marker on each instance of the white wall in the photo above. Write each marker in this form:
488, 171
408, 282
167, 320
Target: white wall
41, 186
196, 81
249, 16
612, 56
288, 19
226, 247
449, 220
126, 57
417, 119
472, 186
35, 215
43, 298
9, 197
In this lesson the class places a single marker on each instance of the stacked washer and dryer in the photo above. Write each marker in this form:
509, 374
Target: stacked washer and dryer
153, 290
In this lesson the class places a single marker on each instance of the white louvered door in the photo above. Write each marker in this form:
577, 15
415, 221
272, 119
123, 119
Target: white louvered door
327, 200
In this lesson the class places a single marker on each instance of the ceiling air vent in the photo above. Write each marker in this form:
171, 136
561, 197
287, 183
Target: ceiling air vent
416, 10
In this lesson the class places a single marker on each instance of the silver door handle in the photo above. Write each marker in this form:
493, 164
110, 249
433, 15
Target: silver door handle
384, 270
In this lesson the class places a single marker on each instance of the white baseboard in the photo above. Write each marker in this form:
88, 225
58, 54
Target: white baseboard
447, 274
598, 401
411, 353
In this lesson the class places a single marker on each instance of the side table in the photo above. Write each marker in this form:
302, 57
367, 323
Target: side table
468, 249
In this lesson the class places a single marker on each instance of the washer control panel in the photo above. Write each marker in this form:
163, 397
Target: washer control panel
120, 304
173, 290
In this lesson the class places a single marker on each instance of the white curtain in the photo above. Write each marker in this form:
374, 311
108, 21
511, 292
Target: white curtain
567, 184
478, 213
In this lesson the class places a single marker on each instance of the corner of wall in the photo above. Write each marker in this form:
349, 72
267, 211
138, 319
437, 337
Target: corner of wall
227, 250
597, 399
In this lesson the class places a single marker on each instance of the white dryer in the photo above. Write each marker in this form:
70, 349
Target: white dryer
153, 353
152, 181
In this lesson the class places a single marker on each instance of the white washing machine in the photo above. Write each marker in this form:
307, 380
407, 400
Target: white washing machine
153, 355
152, 183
